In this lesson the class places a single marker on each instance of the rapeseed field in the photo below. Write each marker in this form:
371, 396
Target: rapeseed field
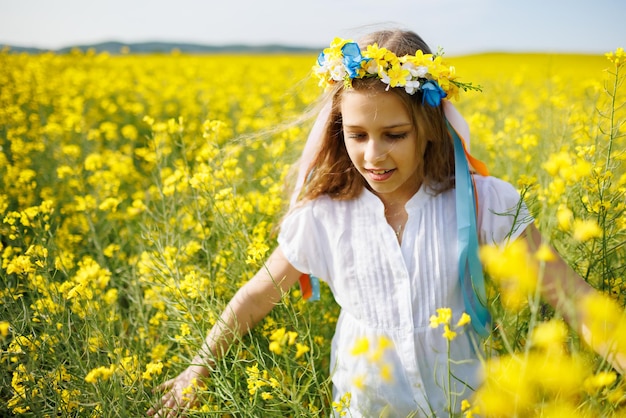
138, 192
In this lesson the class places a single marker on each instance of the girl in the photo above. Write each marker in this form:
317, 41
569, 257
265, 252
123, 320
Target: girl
377, 220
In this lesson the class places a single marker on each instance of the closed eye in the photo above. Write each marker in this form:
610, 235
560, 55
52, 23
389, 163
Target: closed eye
397, 136
355, 136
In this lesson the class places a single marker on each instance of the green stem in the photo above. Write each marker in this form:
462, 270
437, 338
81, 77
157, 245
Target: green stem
449, 394
612, 127
605, 184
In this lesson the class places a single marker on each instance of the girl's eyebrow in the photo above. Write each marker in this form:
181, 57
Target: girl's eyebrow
397, 125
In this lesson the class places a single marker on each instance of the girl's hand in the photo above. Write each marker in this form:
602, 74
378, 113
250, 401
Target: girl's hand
179, 393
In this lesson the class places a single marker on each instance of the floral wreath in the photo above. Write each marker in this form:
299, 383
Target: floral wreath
426, 73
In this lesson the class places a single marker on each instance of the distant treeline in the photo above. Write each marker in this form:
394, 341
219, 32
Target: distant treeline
167, 47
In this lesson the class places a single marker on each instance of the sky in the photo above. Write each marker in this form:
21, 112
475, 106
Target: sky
459, 26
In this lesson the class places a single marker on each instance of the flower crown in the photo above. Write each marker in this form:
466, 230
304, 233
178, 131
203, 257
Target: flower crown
426, 73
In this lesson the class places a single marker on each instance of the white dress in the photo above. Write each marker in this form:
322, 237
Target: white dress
387, 293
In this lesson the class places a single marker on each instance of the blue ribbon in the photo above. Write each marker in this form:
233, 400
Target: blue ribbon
470, 269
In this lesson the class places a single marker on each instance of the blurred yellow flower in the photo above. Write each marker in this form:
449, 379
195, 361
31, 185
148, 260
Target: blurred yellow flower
512, 268
359, 381
100, 373
549, 334
618, 57
386, 373
604, 324
4, 328
544, 253
468, 409
584, 230
361, 346
599, 381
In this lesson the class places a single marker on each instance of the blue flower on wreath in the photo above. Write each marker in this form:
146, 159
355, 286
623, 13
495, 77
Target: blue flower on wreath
352, 58
432, 93
321, 59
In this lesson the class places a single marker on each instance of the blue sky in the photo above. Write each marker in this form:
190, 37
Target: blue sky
460, 26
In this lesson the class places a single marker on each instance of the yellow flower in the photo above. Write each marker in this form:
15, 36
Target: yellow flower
463, 320
604, 324
549, 334
585, 230
386, 373
561, 408
254, 380
468, 410
273, 382
359, 382
617, 57
100, 373
301, 349
505, 390
512, 268
291, 337
95, 343
465, 405
383, 344
276, 348
21, 265
278, 334
5, 327
343, 405
189, 390
545, 253
130, 132
599, 381
111, 250
281, 337
185, 330
396, 76
152, 369
361, 346
444, 315
448, 334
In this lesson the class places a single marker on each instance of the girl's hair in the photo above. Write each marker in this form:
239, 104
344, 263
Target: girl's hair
332, 172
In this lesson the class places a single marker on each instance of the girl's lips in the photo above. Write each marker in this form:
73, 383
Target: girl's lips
379, 175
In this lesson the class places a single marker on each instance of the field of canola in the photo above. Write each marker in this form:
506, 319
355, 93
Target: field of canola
137, 193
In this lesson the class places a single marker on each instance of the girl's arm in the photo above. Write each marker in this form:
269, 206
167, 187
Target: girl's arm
252, 302
565, 290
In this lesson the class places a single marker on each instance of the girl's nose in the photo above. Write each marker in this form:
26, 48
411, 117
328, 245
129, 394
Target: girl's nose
375, 150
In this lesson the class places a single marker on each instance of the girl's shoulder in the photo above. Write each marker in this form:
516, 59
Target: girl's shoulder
320, 203
502, 212
493, 188
490, 182
307, 211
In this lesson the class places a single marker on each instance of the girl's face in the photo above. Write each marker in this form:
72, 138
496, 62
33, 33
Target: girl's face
382, 143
